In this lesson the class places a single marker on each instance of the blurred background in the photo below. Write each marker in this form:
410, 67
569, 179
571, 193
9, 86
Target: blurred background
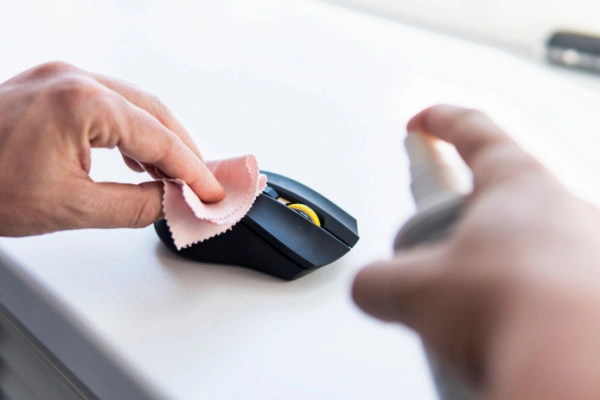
522, 27
319, 92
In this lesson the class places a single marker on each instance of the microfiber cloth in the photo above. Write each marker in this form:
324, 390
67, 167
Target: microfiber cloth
191, 221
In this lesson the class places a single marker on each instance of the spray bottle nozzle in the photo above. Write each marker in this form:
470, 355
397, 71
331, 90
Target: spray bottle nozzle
433, 179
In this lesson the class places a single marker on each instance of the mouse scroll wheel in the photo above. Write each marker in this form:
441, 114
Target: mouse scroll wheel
306, 212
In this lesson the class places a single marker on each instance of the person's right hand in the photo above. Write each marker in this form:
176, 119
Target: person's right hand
511, 298
50, 118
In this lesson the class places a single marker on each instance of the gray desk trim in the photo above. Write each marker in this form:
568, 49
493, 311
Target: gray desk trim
58, 339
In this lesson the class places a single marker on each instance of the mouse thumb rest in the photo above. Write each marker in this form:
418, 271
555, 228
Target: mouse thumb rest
284, 234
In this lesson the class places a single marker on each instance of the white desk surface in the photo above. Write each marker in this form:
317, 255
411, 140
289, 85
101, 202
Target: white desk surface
269, 78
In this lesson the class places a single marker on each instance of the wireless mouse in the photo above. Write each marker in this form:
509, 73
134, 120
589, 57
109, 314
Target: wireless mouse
290, 231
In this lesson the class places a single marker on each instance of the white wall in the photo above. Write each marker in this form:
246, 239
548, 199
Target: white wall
521, 25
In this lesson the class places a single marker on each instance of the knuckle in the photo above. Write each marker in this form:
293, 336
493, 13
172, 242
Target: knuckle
73, 90
172, 146
158, 107
53, 68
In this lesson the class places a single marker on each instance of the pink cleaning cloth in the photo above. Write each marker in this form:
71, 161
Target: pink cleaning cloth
191, 221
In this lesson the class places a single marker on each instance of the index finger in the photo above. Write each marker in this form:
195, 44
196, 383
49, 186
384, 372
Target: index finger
140, 136
489, 152
151, 104
470, 131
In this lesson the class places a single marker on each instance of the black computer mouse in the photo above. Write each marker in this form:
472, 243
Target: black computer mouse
290, 230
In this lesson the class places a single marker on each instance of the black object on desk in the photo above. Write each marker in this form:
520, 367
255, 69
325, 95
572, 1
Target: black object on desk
290, 231
575, 50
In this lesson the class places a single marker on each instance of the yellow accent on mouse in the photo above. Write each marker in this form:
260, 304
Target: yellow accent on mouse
307, 211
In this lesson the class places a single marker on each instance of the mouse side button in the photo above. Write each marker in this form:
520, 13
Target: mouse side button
272, 193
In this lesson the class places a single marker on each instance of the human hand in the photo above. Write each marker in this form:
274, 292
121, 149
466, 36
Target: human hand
511, 298
50, 118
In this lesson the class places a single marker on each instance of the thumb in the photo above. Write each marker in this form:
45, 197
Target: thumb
120, 205
401, 289
421, 290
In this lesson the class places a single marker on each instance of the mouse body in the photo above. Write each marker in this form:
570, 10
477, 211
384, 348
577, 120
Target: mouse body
290, 231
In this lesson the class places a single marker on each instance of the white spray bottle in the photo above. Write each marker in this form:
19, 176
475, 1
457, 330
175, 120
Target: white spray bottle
439, 199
